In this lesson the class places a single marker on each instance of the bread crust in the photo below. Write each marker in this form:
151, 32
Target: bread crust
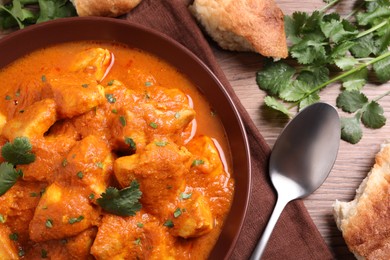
110, 8
365, 221
244, 25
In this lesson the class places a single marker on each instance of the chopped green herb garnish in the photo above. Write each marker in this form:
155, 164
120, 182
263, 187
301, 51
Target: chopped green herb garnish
137, 241
43, 253
14, 236
177, 213
168, 223
17, 94
33, 194
84, 85
129, 141
91, 196
114, 111
110, 83
7, 97
80, 174
75, 220
100, 165
2, 219
177, 115
43, 78
161, 143
110, 98
21, 252
49, 223
18, 152
123, 202
140, 225
64, 162
197, 162
8, 176
122, 119
185, 196
148, 83
153, 125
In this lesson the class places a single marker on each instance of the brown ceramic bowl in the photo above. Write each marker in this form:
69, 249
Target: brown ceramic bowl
38, 36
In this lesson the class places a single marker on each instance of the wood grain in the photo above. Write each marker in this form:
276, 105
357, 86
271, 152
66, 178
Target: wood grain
353, 162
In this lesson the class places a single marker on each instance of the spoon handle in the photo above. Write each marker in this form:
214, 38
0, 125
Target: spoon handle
261, 245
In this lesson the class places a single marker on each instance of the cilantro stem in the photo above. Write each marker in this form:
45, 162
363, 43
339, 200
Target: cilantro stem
329, 5
354, 11
382, 96
372, 29
21, 26
343, 75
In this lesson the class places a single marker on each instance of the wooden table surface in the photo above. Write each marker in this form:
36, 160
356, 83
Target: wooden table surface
353, 162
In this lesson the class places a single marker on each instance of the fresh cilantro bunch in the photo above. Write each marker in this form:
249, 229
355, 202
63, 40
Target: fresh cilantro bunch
326, 48
21, 13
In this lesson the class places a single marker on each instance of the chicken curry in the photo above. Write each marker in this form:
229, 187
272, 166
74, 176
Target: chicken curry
108, 152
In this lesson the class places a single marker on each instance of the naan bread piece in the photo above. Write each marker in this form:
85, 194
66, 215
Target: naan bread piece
365, 221
244, 25
110, 8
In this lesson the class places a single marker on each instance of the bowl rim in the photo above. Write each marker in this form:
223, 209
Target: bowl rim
27, 33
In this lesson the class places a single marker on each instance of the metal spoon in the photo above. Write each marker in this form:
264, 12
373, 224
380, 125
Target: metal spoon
301, 159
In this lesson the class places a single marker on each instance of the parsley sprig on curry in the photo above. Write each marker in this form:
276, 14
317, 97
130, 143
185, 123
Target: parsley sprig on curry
108, 152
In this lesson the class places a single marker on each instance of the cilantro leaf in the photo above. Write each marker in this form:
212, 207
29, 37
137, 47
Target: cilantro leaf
8, 176
311, 99
340, 50
356, 80
273, 103
382, 69
373, 116
308, 51
345, 63
351, 130
18, 152
275, 77
364, 46
370, 17
123, 202
314, 75
351, 101
53, 9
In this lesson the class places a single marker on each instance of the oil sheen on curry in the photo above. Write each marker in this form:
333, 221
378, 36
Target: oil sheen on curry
108, 152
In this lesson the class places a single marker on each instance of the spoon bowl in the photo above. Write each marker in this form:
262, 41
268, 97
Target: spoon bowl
301, 160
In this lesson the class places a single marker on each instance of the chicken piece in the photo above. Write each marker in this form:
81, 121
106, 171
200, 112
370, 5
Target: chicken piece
94, 61
159, 169
167, 113
62, 212
192, 217
73, 94
206, 156
49, 155
3, 120
89, 164
33, 122
71, 248
138, 237
7, 247
26, 94
17, 206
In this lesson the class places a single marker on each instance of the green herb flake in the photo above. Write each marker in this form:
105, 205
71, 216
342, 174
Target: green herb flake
123, 202
137, 241
168, 223
84, 85
114, 111
18, 152
122, 119
100, 165
49, 223
80, 174
129, 141
148, 84
64, 162
110, 83
110, 98
177, 213
177, 115
21, 252
75, 220
161, 143
33, 194
7, 97
14, 236
43, 253
43, 78
185, 196
140, 225
91, 196
197, 162
153, 125
2, 219
17, 94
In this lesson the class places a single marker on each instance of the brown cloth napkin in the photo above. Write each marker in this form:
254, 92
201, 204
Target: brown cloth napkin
295, 235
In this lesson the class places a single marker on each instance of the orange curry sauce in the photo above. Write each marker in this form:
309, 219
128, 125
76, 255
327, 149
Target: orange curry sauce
101, 115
